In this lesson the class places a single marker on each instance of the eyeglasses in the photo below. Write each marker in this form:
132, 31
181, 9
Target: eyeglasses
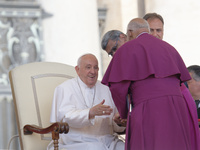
114, 48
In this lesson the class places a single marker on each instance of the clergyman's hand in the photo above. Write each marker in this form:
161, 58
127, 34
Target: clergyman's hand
100, 110
119, 121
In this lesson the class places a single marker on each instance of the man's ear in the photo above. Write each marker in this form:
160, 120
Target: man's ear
129, 35
77, 69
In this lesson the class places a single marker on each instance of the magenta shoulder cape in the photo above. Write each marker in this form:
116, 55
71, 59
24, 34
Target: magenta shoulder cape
138, 59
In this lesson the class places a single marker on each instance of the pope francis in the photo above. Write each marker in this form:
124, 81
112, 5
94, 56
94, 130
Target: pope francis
87, 106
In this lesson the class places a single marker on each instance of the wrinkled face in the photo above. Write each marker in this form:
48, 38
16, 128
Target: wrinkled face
194, 87
156, 27
88, 70
112, 46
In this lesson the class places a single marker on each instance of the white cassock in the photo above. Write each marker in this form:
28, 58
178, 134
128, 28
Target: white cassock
72, 102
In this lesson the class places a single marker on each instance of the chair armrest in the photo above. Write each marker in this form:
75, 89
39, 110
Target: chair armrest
55, 127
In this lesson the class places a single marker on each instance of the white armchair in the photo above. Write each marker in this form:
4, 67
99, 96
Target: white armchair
32, 90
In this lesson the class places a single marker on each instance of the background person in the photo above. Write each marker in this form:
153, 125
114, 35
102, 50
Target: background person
194, 85
112, 40
156, 24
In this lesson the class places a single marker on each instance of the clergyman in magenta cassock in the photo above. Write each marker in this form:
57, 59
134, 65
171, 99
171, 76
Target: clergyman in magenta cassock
152, 71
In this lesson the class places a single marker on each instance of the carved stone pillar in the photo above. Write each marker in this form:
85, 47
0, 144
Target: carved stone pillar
20, 43
20, 36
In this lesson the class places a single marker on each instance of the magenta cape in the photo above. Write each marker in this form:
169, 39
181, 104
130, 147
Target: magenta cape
153, 70
136, 60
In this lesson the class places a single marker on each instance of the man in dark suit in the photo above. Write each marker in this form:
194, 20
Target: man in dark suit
194, 85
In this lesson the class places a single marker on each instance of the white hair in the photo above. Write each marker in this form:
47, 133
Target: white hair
80, 58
